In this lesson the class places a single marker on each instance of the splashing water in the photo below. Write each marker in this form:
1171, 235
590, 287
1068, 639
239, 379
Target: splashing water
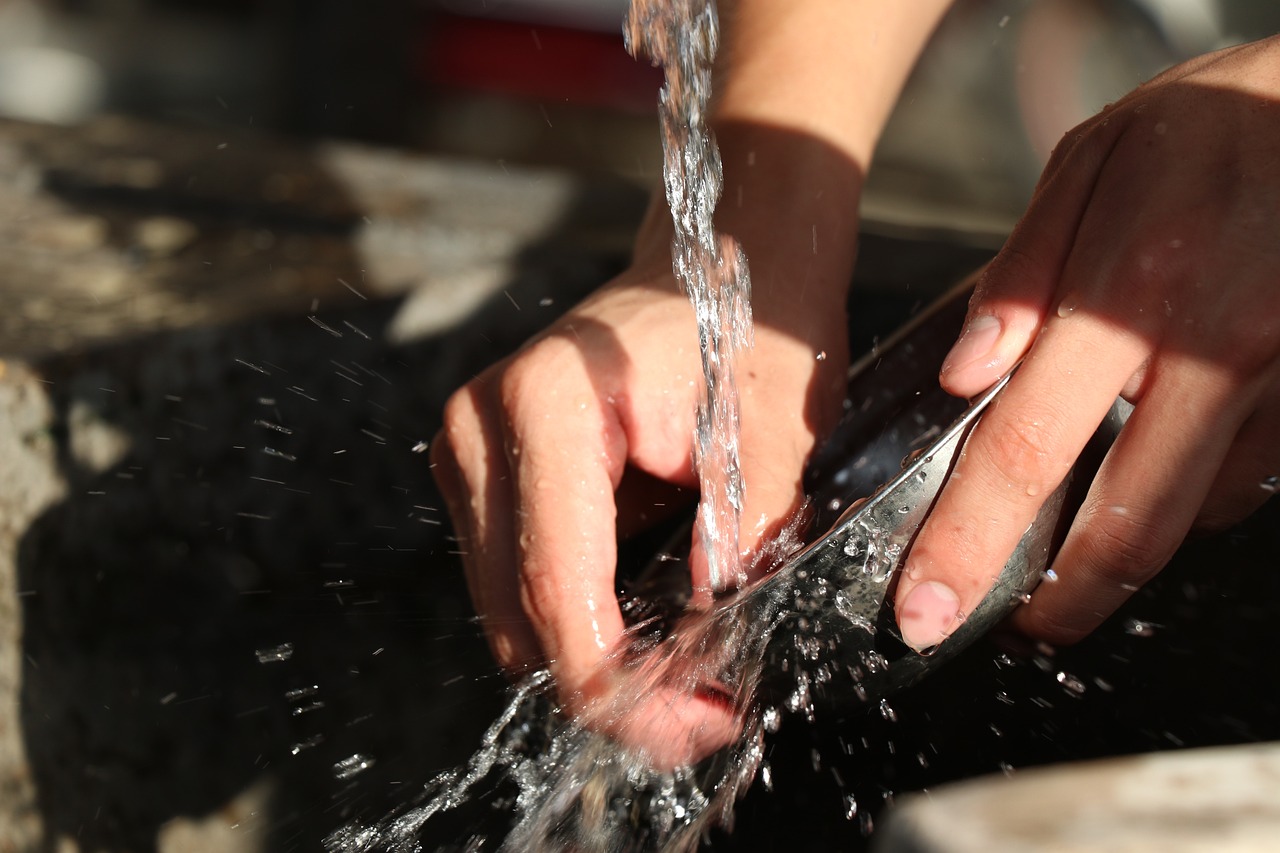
578, 789
682, 36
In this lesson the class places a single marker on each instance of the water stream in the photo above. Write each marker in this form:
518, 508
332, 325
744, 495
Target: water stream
682, 35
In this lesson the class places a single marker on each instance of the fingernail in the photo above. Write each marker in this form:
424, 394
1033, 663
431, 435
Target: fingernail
928, 615
975, 344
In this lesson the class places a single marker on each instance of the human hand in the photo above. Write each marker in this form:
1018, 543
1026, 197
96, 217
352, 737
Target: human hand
549, 455
1148, 266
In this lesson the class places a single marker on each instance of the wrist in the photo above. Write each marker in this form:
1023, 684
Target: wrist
792, 201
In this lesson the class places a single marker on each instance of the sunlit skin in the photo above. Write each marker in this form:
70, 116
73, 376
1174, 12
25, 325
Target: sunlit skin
1148, 264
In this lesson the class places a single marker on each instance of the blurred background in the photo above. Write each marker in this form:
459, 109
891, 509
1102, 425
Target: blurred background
248, 247
548, 82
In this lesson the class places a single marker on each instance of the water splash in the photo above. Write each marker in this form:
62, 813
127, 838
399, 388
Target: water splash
275, 654
682, 36
578, 789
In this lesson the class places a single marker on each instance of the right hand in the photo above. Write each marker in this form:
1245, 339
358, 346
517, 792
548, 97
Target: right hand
550, 454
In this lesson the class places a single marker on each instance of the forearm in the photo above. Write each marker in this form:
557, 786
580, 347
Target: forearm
803, 89
830, 69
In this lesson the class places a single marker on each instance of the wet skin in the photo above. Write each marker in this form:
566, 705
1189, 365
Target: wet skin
1148, 265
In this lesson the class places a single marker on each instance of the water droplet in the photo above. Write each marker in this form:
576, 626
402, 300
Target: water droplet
1071, 684
850, 806
815, 758
275, 654
886, 711
420, 447
822, 356
1271, 484
1049, 576
771, 720
1068, 305
1032, 490
309, 743
766, 776
846, 609
272, 426
352, 765
1138, 628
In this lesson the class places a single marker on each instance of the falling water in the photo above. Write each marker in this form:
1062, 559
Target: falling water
682, 35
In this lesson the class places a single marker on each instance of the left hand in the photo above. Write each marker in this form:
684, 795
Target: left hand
1148, 266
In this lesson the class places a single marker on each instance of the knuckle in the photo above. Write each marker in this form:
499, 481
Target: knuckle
1125, 547
1251, 341
518, 382
540, 596
459, 410
535, 373
1015, 266
461, 426
1024, 451
1145, 275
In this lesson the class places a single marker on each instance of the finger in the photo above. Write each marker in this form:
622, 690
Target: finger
1143, 500
1012, 296
1249, 474
781, 421
565, 470
1016, 456
471, 469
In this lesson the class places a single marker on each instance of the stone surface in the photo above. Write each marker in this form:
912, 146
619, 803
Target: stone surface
1225, 799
